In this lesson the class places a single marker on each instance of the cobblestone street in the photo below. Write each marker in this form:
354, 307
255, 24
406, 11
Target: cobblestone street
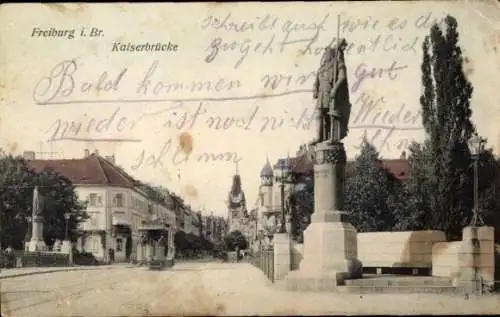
203, 289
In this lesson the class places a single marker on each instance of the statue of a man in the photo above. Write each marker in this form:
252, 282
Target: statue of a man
332, 93
340, 105
321, 92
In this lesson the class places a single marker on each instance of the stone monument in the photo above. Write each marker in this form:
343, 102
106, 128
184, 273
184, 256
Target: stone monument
330, 241
37, 243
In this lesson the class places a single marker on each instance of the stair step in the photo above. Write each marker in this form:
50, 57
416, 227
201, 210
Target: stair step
404, 281
401, 289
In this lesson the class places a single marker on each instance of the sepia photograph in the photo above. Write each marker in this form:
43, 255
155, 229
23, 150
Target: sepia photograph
250, 159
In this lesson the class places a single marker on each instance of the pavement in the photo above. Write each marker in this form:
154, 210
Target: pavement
24, 271
201, 288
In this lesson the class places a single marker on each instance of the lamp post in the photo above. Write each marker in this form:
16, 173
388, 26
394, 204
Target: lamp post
476, 146
261, 236
285, 169
67, 215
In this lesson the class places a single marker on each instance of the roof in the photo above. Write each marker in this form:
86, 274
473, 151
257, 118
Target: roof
90, 170
267, 170
400, 168
302, 164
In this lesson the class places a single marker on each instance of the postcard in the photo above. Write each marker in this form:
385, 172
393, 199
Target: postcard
223, 158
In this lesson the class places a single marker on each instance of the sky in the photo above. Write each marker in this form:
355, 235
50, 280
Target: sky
182, 116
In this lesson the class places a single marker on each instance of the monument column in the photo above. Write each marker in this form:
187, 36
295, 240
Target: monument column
330, 254
36, 242
330, 241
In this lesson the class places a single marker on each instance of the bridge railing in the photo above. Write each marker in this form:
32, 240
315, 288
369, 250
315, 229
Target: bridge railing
264, 260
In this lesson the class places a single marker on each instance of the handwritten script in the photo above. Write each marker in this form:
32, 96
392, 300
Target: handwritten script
197, 103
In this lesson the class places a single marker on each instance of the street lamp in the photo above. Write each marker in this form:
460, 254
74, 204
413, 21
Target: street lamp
261, 236
476, 146
67, 215
285, 170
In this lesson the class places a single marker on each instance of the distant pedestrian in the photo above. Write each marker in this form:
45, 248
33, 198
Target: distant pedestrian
111, 254
10, 257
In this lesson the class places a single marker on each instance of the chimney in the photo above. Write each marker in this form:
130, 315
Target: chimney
96, 152
86, 153
403, 155
29, 155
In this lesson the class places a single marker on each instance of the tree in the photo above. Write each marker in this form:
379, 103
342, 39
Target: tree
59, 197
17, 182
181, 241
416, 191
302, 202
446, 113
489, 190
235, 239
16, 190
370, 193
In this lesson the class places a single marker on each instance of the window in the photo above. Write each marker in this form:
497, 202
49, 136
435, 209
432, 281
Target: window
277, 199
92, 199
99, 200
93, 219
119, 200
150, 208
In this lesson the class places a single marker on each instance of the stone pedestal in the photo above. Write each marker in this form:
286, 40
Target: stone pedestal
282, 255
330, 241
476, 259
36, 243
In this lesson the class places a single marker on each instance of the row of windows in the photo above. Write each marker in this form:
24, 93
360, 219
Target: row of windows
118, 200
95, 199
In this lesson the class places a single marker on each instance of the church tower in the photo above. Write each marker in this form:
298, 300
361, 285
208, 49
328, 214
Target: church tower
237, 209
266, 187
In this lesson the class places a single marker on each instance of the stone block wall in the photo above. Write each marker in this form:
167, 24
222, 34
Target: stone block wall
445, 259
296, 253
477, 255
408, 249
282, 255
458, 260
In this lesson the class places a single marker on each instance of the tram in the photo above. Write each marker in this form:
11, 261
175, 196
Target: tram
156, 247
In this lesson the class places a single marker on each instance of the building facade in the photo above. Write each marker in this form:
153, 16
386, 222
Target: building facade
117, 204
213, 228
237, 208
238, 216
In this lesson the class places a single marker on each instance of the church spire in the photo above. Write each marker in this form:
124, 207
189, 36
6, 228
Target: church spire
237, 171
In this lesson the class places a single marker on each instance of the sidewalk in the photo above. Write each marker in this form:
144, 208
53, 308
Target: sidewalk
19, 272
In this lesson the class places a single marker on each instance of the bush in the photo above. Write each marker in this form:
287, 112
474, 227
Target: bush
235, 239
84, 258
